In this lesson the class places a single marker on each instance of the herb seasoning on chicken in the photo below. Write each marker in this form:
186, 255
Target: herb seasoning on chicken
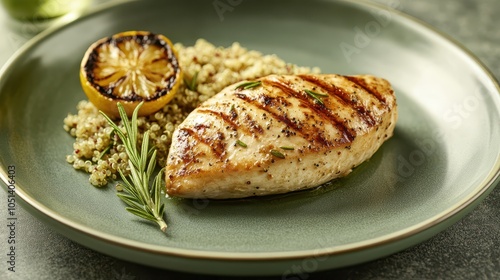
279, 133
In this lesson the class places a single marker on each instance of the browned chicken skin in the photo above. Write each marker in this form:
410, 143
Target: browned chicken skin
281, 133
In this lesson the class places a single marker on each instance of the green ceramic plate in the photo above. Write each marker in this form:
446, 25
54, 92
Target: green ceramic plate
443, 159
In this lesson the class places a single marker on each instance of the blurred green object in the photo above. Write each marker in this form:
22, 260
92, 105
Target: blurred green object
39, 10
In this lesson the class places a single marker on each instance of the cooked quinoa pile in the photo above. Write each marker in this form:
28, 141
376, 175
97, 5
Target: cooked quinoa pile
97, 151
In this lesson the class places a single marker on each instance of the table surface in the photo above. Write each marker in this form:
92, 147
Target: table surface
470, 249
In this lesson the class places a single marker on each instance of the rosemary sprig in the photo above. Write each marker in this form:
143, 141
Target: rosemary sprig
248, 85
143, 201
289, 148
191, 85
317, 96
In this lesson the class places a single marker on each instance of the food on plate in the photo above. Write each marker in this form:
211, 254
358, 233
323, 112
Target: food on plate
206, 69
279, 133
131, 67
220, 122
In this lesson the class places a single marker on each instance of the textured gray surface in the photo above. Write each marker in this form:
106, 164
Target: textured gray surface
467, 250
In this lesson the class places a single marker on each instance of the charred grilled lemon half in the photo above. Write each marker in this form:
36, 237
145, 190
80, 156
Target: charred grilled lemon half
130, 67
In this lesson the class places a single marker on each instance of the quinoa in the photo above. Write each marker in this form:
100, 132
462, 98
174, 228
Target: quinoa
98, 151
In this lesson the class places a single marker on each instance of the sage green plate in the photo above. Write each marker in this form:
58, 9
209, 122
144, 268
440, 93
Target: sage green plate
443, 159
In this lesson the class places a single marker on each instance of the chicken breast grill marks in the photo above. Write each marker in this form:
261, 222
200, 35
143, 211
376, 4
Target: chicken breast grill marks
284, 133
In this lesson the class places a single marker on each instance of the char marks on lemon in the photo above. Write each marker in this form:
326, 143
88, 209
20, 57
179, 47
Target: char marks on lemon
144, 41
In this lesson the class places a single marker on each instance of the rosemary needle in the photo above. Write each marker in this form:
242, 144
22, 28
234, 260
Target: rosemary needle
241, 143
143, 200
316, 96
108, 148
193, 84
277, 154
248, 85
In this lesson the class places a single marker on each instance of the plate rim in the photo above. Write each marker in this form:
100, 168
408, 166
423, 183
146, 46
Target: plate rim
485, 186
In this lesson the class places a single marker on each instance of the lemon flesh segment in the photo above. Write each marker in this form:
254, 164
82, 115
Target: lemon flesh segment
131, 67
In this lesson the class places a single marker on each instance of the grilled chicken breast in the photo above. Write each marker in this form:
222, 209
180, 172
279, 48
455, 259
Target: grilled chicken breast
278, 134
